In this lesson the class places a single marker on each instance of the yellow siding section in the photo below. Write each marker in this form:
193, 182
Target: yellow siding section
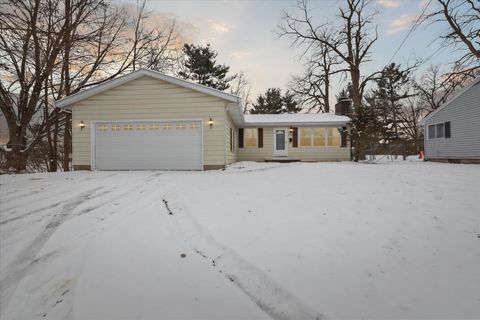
300, 153
259, 154
151, 99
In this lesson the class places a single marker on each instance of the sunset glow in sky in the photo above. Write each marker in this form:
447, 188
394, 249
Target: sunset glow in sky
244, 35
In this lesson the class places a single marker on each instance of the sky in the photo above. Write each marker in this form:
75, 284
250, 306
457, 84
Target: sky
244, 35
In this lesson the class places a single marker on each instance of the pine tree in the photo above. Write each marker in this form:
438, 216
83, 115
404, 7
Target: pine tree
200, 66
271, 102
393, 86
290, 104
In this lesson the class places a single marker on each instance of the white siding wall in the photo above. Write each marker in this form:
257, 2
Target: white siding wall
148, 98
464, 116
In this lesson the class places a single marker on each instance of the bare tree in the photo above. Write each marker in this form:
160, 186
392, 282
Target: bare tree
53, 48
410, 114
435, 88
312, 89
31, 39
463, 20
351, 42
240, 87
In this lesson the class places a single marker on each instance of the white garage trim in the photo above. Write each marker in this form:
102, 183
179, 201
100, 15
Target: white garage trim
93, 125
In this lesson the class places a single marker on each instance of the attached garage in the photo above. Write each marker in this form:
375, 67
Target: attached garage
148, 145
147, 120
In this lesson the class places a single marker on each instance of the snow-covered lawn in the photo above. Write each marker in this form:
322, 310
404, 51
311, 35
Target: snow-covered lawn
256, 241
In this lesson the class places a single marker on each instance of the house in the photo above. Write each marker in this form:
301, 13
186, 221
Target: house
148, 120
452, 132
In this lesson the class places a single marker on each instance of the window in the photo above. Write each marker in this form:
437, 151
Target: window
141, 126
319, 137
167, 126
232, 140
333, 137
155, 126
128, 127
194, 125
447, 130
181, 126
305, 137
250, 138
440, 130
116, 127
431, 131
103, 127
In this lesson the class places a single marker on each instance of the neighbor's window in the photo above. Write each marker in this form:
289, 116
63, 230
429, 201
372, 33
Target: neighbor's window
333, 139
447, 130
305, 137
431, 131
440, 130
250, 137
319, 137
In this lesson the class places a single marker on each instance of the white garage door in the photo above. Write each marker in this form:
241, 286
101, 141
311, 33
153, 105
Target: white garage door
148, 145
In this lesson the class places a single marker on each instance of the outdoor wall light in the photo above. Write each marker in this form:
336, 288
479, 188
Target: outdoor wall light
81, 125
210, 123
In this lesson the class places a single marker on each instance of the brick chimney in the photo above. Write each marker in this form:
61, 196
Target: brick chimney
342, 108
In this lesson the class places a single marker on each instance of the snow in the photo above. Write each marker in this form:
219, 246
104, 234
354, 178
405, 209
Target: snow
296, 118
398, 239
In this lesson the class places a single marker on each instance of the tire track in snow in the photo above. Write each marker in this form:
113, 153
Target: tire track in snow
270, 296
26, 260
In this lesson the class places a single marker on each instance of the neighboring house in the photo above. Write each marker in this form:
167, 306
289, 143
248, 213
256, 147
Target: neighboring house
452, 132
148, 120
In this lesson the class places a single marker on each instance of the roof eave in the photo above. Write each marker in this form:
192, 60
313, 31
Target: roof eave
297, 123
110, 84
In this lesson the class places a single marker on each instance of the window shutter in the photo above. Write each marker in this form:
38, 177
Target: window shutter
240, 137
295, 137
260, 137
343, 136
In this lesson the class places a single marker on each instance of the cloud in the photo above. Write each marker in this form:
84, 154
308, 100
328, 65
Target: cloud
239, 55
401, 23
389, 3
219, 26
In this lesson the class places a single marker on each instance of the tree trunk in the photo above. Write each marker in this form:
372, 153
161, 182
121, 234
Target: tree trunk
67, 141
16, 159
357, 105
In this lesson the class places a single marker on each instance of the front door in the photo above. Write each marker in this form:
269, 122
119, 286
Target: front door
280, 142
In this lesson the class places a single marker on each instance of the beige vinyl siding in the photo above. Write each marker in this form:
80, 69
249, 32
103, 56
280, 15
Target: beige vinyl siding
231, 156
258, 154
299, 153
151, 99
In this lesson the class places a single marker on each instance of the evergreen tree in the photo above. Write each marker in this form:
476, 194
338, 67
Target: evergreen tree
200, 66
290, 103
393, 86
271, 102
